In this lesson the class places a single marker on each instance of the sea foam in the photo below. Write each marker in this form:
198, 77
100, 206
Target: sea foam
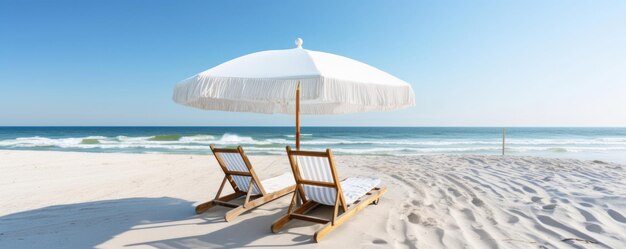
264, 144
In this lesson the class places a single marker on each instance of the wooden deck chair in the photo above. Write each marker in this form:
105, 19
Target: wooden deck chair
317, 183
238, 172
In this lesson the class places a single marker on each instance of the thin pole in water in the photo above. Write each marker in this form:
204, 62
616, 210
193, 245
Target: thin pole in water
298, 116
503, 139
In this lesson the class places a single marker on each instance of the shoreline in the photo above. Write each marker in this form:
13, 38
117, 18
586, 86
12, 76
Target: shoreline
605, 157
110, 200
607, 144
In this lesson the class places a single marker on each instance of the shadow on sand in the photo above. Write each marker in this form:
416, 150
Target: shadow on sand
87, 225
243, 232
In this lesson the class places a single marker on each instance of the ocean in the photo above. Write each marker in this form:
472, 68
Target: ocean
607, 144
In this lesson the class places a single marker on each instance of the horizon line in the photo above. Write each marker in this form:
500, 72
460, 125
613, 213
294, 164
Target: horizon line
291, 126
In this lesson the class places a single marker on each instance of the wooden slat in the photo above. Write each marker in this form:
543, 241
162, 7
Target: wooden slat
225, 203
224, 150
231, 215
207, 205
282, 221
308, 153
318, 183
231, 197
309, 218
237, 173
310, 205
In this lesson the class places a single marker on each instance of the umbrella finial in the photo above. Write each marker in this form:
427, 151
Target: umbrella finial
299, 42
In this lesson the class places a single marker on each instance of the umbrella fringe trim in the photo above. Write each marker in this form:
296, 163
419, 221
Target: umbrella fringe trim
319, 95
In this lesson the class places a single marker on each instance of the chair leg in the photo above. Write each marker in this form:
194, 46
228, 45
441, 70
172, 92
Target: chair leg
232, 214
209, 204
249, 193
205, 206
330, 226
336, 210
283, 220
277, 225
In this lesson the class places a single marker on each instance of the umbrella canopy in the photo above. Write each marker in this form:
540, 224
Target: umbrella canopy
266, 82
294, 81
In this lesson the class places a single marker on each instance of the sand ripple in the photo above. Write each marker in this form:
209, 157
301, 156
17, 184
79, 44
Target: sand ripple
85, 200
507, 202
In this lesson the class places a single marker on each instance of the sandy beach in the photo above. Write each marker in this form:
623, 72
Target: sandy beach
105, 200
482, 124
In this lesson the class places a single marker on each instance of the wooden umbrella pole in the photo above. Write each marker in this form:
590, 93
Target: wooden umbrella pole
298, 116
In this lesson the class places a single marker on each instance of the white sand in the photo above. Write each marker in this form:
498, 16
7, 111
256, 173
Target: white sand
84, 200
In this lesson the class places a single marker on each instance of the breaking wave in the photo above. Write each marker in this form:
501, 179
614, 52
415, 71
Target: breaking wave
199, 143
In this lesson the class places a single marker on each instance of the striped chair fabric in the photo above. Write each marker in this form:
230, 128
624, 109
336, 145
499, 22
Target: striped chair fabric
234, 162
317, 169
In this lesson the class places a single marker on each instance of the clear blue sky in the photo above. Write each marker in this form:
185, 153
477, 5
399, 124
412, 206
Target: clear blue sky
471, 63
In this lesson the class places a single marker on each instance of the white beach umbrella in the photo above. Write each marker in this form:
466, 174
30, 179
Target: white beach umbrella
294, 81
